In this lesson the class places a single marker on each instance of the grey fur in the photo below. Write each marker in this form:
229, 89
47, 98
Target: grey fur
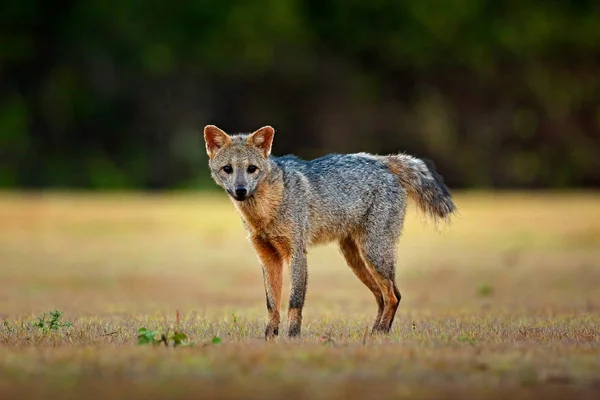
358, 200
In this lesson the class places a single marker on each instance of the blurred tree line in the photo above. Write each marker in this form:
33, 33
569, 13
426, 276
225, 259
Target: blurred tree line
115, 93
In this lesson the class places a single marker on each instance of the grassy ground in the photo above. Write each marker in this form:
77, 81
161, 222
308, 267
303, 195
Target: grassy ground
504, 303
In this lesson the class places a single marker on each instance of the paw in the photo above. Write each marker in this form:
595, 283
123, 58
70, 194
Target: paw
294, 331
271, 332
379, 329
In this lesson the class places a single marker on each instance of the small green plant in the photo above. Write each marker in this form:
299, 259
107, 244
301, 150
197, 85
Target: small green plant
179, 339
146, 336
175, 339
9, 329
51, 321
216, 340
241, 329
468, 338
485, 290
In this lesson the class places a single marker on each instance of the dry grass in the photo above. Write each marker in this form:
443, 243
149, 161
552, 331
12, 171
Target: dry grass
505, 303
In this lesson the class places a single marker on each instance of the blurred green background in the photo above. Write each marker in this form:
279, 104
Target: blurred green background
115, 93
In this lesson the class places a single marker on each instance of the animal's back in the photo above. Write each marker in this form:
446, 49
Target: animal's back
340, 190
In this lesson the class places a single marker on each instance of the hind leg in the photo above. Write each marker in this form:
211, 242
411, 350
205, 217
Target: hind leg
381, 262
351, 253
377, 245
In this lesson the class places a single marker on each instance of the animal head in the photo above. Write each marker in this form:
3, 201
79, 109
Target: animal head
238, 163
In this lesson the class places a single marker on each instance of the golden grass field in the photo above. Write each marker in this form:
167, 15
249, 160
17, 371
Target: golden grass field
503, 303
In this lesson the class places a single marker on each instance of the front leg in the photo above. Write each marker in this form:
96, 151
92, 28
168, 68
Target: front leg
298, 280
272, 266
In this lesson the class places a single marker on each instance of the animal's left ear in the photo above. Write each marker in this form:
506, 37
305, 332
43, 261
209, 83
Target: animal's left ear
263, 139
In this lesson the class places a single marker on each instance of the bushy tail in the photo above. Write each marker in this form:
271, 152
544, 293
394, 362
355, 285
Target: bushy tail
423, 184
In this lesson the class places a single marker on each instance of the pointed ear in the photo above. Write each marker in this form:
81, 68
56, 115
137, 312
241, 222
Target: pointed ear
263, 139
215, 138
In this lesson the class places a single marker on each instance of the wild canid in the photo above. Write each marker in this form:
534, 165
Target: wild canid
288, 204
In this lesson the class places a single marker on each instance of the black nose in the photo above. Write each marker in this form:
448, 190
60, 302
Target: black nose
240, 191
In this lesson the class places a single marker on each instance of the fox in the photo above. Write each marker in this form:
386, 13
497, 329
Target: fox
288, 205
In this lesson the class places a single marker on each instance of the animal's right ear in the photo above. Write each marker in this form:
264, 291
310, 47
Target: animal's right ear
215, 138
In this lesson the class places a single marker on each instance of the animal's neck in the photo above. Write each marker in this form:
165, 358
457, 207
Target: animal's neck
260, 210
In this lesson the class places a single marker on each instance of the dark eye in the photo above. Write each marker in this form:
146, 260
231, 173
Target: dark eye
227, 169
252, 169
